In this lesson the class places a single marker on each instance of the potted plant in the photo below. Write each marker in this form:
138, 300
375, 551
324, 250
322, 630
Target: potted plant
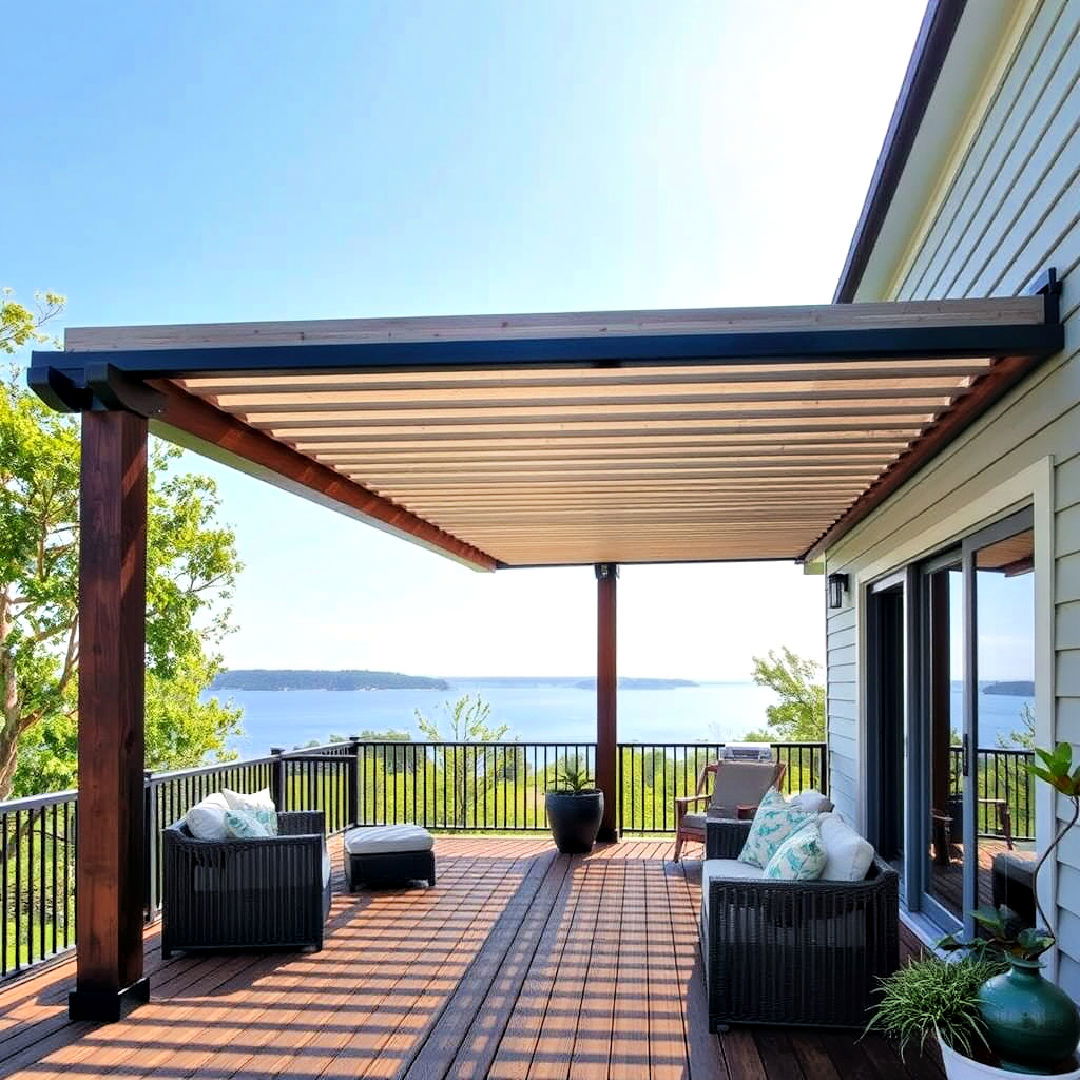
1029, 1024
574, 809
932, 1000
1015, 1020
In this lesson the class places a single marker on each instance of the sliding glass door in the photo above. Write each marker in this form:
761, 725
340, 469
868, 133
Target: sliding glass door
975, 716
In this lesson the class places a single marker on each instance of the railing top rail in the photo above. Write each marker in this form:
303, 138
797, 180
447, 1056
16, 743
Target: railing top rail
202, 770
36, 802
508, 745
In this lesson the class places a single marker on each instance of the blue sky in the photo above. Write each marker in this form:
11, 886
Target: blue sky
262, 160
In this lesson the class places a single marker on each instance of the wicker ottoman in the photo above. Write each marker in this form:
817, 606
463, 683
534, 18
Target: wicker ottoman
388, 855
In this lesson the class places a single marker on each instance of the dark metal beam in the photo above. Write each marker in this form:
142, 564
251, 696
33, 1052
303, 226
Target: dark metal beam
795, 347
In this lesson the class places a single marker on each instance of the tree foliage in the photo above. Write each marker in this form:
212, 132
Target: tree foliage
20, 325
467, 720
799, 715
191, 568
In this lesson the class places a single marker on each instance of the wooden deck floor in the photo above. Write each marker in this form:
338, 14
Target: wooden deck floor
521, 964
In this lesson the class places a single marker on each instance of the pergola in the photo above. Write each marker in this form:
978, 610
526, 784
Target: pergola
500, 441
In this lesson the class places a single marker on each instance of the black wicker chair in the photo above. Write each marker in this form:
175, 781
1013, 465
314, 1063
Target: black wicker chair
798, 952
255, 893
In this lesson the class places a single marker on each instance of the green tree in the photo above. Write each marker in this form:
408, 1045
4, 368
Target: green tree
799, 716
191, 569
19, 325
469, 774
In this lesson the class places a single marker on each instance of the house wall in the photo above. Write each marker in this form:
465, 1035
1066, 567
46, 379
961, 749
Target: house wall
1010, 209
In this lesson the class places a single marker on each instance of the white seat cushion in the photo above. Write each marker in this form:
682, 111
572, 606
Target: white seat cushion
847, 855
385, 839
725, 869
206, 819
729, 870
325, 866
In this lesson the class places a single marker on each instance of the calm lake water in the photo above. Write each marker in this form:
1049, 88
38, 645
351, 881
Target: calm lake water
712, 711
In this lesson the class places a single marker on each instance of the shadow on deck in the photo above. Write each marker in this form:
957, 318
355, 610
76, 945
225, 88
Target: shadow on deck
520, 964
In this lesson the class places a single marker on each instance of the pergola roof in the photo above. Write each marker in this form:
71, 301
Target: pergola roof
720, 434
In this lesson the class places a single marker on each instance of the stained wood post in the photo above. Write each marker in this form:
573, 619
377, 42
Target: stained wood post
110, 862
607, 736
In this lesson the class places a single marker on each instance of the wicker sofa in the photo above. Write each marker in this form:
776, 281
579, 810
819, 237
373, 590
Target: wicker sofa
262, 892
794, 952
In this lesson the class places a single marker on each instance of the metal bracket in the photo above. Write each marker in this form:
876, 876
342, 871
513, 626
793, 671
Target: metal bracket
1048, 285
58, 390
114, 392
104, 388
605, 570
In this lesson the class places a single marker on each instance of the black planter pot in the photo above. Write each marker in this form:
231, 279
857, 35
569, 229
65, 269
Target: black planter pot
575, 819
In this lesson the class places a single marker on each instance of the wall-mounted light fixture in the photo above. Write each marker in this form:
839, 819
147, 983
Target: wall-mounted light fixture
838, 587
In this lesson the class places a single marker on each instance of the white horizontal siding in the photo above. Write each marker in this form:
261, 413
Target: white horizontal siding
841, 710
1011, 210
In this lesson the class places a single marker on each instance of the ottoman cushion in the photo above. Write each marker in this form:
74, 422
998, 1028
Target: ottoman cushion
387, 839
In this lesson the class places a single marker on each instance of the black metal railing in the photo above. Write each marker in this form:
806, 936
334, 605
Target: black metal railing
446, 786
37, 878
463, 786
1004, 788
652, 775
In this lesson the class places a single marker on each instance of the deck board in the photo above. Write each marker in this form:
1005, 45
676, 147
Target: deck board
521, 963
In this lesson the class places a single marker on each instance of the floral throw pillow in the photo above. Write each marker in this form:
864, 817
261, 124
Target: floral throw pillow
257, 805
801, 857
775, 820
243, 826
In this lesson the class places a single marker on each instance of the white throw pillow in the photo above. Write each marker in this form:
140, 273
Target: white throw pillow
258, 805
813, 802
775, 820
206, 819
847, 855
801, 857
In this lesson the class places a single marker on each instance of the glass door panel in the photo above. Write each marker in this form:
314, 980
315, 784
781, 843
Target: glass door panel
1003, 716
944, 635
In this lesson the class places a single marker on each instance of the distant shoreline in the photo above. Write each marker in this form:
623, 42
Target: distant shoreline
277, 680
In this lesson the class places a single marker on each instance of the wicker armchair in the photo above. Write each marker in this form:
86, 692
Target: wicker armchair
256, 893
797, 952
737, 788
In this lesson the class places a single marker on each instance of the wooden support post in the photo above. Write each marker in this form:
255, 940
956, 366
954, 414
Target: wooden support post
607, 737
110, 874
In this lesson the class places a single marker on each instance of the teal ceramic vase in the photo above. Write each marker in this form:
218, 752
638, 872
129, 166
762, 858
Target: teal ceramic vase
1031, 1024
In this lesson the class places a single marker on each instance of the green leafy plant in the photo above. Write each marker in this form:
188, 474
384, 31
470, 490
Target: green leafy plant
932, 998
1057, 770
573, 777
1004, 937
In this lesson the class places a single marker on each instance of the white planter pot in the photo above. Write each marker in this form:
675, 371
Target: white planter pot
958, 1067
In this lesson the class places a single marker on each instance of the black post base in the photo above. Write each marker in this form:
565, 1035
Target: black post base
107, 1006
607, 835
